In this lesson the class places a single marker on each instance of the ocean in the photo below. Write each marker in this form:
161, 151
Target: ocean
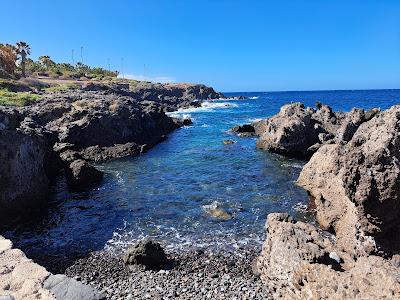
167, 193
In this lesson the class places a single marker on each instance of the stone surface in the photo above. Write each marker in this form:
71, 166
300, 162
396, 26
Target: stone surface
81, 174
291, 132
65, 288
20, 277
296, 263
147, 253
246, 130
355, 187
23, 180
91, 124
299, 131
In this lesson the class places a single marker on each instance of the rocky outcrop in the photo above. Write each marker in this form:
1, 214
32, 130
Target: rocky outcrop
354, 188
71, 128
80, 174
300, 262
21, 278
300, 131
174, 95
245, 130
146, 253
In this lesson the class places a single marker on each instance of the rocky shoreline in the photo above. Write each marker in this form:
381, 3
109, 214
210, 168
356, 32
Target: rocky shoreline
70, 129
352, 179
353, 182
187, 275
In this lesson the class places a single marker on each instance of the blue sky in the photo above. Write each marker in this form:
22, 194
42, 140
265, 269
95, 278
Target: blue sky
231, 45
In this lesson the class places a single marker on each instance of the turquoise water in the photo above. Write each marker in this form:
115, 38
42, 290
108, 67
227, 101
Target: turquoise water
165, 193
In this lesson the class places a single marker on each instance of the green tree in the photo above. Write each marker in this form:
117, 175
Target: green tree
23, 50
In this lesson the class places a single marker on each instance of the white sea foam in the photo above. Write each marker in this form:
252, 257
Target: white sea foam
205, 107
254, 98
255, 120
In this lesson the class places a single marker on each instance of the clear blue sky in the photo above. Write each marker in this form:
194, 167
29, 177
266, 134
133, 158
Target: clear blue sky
231, 45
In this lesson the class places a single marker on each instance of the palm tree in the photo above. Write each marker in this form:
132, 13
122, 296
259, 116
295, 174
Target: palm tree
46, 61
23, 50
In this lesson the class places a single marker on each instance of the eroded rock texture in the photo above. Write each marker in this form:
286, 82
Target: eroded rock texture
300, 131
354, 188
299, 262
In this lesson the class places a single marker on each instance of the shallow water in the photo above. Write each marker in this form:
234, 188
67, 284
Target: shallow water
165, 193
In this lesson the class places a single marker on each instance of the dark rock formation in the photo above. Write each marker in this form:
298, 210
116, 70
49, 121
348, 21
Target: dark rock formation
147, 253
23, 180
174, 95
67, 129
299, 131
245, 130
80, 174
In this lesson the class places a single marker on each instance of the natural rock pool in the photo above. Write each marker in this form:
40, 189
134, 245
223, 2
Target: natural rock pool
172, 192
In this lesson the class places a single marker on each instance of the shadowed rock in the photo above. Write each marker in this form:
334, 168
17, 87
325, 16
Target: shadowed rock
147, 253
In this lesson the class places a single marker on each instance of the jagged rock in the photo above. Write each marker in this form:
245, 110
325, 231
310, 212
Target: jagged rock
297, 130
147, 253
245, 130
355, 187
81, 174
290, 132
298, 262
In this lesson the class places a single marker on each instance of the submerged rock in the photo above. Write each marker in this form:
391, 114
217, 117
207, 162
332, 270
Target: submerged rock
147, 253
216, 211
229, 142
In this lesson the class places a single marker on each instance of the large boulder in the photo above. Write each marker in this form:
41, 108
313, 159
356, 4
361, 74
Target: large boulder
81, 174
355, 187
146, 253
300, 262
291, 132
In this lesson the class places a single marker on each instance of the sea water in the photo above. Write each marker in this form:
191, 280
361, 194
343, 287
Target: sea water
170, 192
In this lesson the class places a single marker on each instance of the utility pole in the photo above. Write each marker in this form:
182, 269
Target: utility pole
122, 68
81, 55
108, 64
73, 60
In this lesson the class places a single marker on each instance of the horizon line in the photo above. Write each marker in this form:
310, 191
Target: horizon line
323, 90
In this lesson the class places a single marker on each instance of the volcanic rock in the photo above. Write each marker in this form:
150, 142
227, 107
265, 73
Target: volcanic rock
147, 253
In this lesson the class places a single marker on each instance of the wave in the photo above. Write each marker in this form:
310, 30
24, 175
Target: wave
254, 97
255, 120
180, 115
205, 107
